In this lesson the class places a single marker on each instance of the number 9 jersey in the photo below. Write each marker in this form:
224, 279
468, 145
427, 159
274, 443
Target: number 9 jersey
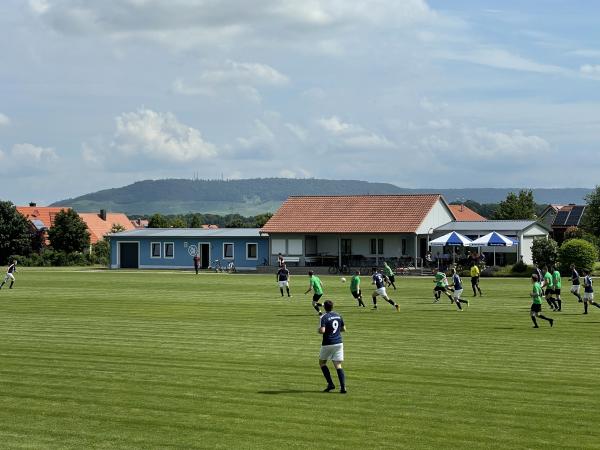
333, 324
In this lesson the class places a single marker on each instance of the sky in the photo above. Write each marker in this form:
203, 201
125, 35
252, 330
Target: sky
96, 94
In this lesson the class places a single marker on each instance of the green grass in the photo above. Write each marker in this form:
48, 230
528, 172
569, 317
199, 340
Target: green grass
115, 359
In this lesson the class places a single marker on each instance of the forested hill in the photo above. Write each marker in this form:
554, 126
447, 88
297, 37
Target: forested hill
259, 195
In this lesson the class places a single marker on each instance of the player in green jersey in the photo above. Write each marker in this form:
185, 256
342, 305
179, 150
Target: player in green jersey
548, 288
389, 274
557, 281
316, 285
355, 288
536, 305
441, 286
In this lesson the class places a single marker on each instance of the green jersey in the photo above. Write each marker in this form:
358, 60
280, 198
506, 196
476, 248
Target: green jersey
537, 293
548, 280
439, 279
387, 270
557, 279
355, 284
315, 284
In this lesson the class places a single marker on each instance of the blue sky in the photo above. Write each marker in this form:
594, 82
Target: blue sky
99, 94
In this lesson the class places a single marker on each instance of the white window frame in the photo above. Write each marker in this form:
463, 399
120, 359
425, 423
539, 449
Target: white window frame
232, 250
165, 250
248, 244
152, 250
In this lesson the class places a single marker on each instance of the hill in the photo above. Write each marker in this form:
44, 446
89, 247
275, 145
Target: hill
259, 195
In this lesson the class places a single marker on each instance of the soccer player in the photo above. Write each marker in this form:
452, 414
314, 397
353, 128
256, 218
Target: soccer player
331, 327
548, 287
355, 288
576, 283
475, 279
379, 283
588, 292
540, 274
196, 262
458, 289
283, 277
389, 273
441, 286
12, 268
557, 281
536, 305
315, 285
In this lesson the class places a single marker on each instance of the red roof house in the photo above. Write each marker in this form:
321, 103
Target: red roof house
346, 228
465, 214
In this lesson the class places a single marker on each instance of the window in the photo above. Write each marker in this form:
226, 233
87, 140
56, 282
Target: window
155, 250
376, 246
310, 243
251, 251
294, 247
228, 250
346, 245
169, 250
277, 246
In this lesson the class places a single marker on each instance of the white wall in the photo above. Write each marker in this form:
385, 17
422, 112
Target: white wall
438, 216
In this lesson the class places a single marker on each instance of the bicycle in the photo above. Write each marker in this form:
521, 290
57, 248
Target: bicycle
335, 268
217, 267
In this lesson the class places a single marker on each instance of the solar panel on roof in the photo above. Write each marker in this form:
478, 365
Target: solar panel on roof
561, 218
575, 216
38, 224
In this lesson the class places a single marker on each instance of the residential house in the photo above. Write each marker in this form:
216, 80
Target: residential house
355, 229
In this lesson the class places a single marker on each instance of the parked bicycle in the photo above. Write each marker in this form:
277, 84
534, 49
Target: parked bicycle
335, 268
229, 268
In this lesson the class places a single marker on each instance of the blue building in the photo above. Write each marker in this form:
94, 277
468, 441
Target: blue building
174, 248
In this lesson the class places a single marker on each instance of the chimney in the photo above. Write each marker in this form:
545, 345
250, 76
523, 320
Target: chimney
103, 214
32, 204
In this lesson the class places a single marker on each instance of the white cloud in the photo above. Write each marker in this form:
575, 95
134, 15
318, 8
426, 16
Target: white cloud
39, 6
27, 159
503, 59
299, 132
4, 120
262, 137
354, 136
242, 77
486, 144
159, 136
590, 70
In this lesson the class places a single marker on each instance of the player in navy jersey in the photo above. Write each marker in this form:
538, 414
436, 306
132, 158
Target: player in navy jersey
12, 268
283, 277
576, 283
332, 348
588, 292
458, 289
379, 282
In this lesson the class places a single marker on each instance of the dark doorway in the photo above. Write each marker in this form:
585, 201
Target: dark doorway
204, 256
422, 247
128, 252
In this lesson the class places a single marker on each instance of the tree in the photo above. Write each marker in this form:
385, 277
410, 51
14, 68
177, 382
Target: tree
544, 252
579, 252
590, 221
158, 221
15, 232
516, 207
261, 219
178, 222
69, 233
116, 228
196, 221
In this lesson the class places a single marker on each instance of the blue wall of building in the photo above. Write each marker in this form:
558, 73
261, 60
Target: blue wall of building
184, 250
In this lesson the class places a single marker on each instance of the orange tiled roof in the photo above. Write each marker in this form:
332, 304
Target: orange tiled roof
464, 214
45, 214
351, 214
99, 227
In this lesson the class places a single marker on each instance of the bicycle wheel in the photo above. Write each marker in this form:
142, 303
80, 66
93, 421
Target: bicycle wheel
333, 270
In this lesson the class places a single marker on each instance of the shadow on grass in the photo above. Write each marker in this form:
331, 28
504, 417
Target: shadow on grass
287, 391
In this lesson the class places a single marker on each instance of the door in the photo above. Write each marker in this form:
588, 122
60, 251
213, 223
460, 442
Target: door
422, 247
128, 252
204, 256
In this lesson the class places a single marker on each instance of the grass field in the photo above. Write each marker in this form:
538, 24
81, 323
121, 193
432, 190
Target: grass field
115, 359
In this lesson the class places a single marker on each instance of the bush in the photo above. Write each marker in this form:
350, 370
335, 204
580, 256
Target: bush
520, 267
544, 252
579, 252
